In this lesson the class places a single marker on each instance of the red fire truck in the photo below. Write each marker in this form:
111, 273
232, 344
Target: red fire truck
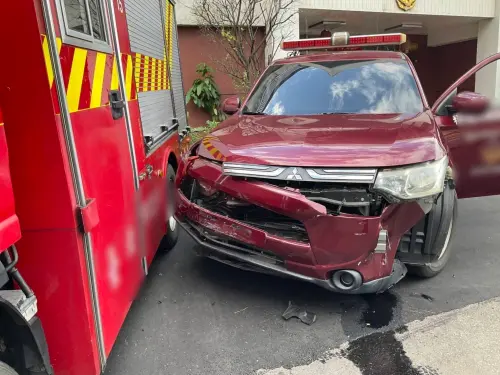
92, 116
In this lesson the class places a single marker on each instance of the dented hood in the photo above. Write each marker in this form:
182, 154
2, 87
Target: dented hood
326, 140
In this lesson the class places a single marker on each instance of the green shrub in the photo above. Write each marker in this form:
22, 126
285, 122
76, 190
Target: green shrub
204, 92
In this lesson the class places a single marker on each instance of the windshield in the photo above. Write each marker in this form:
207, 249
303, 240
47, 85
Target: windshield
354, 87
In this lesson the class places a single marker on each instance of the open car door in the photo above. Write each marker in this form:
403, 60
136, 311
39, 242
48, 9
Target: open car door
469, 123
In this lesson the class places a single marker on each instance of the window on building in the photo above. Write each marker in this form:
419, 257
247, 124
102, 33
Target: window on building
84, 23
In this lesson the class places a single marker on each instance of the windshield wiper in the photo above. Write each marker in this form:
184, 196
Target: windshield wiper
254, 113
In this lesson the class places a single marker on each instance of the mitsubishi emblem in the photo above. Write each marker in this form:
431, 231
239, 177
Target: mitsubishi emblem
295, 175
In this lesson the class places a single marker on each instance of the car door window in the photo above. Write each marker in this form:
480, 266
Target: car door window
470, 84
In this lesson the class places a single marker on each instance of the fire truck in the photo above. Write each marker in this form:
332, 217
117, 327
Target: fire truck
92, 116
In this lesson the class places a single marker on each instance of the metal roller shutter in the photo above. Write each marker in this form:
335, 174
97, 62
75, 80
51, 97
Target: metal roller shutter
145, 26
148, 26
176, 75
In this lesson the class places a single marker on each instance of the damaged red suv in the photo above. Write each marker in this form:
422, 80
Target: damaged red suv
334, 171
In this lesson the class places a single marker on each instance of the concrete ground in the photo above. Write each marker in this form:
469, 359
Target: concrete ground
195, 316
459, 342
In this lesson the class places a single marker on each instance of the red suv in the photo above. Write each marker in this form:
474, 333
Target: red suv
336, 171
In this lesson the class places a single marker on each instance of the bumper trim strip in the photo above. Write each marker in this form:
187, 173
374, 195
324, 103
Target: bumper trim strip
374, 286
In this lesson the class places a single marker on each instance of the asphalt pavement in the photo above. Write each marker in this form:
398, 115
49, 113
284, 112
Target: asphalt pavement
195, 316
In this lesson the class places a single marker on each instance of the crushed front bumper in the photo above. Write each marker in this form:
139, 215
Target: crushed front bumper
335, 242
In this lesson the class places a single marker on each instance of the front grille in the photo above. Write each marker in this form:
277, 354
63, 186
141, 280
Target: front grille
342, 175
347, 198
245, 212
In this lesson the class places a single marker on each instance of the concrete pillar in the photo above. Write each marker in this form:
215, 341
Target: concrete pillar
488, 43
286, 31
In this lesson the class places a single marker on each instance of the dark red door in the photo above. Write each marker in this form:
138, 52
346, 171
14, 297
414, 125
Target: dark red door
472, 135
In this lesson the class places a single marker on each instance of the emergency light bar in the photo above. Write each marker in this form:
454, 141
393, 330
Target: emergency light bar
343, 40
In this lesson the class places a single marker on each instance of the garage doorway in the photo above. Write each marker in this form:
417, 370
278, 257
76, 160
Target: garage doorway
442, 48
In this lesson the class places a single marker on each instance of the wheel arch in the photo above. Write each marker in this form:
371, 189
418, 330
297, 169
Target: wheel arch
169, 156
419, 245
172, 160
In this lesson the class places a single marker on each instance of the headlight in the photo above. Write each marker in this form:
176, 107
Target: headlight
416, 181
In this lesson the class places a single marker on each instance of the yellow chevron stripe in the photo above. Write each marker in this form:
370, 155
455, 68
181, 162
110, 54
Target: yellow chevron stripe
164, 75
159, 76
145, 79
78, 73
137, 70
76, 78
128, 78
171, 38
167, 15
114, 75
153, 74
46, 56
96, 94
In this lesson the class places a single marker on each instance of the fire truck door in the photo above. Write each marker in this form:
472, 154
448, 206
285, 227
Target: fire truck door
470, 126
96, 75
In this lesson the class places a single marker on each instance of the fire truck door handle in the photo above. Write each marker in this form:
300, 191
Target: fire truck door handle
117, 104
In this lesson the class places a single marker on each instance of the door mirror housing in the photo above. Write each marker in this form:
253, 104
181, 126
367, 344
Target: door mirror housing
470, 102
231, 105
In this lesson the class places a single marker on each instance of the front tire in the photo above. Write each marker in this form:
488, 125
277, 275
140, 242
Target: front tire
170, 239
442, 249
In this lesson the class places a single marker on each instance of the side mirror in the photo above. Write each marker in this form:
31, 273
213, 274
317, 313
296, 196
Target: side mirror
231, 105
470, 102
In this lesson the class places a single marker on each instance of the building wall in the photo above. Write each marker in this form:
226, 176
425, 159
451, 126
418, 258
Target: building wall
451, 62
195, 48
444, 35
469, 8
438, 67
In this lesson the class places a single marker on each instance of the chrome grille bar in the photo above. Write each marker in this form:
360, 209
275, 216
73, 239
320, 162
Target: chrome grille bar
252, 170
344, 175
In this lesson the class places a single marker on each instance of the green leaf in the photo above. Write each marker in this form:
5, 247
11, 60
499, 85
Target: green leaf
204, 92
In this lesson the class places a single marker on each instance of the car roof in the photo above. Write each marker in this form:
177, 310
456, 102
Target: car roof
341, 55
